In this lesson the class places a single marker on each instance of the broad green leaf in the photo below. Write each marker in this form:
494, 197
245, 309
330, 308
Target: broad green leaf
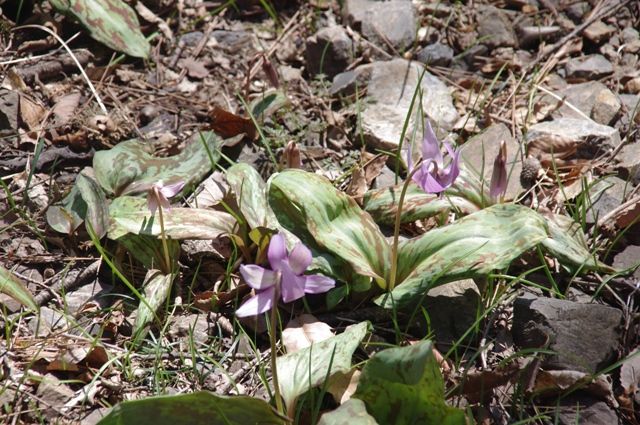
251, 196
267, 104
157, 287
130, 214
309, 206
148, 250
465, 196
351, 412
308, 368
403, 386
97, 209
111, 22
12, 286
130, 167
67, 217
201, 408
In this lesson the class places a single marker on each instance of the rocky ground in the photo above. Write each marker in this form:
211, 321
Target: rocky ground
558, 81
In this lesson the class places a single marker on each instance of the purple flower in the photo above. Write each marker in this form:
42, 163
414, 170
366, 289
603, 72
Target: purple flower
159, 194
433, 176
285, 279
499, 176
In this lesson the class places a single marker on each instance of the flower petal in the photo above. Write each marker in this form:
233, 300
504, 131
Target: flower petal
277, 251
430, 146
292, 286
499, 175
300, 258
261, 302
152, 203
317, 284
258, 277
171, 190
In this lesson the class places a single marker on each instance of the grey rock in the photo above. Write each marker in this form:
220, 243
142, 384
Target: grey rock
598, 32
604, 196
329, 51
193, 327
479, 152
584, 337
386, 178
232, 41
585, 410
9, 104
627, 258
578, 129
594, 99
629, 35
47, 321
631, 103
436, 54
389, 22
95, 291
495, 29
588, 67
390, 87
576, 11
452, 309
52, 395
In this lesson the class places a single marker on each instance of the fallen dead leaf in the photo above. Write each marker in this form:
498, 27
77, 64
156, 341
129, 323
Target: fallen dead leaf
303, 331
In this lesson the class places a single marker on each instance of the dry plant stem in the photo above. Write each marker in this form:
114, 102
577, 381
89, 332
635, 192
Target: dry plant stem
396, 228
272, 342
163, 237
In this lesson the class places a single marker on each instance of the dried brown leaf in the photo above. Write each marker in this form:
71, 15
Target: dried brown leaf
303, 331
65, 108
31, 113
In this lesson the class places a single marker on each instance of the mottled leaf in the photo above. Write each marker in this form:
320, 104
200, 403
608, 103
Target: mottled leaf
201, 408
97, 209
67, 217
157, 287
148, 250
251, 196
465, 197
403, 386
16, 289
111, 22
130, 167
309, 206
308, 368
130, 214
351, 412
267, 104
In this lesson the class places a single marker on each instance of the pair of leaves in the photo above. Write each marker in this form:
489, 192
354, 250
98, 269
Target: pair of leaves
308, 205
111, 22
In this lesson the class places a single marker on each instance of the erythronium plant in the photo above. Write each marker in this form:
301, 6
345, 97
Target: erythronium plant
286, 280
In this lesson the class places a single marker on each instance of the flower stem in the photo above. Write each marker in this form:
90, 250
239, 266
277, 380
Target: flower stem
163, 237
396, 228
272, 342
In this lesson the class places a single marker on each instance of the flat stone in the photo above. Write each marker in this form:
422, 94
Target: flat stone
632, 86
479, 152
390, 87
495, 29
194, 326
577, 129
452, 309
627, 258
584, 337
585, 410
604, 196
389, 22
576, 11
95, 291
436, 54
598, 31
52, 395
593, 98
631, 103
329, 51
590, 67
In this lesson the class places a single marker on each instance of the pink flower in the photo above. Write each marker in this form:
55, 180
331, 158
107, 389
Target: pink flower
433, 176
285, 278
498, 185
159, 194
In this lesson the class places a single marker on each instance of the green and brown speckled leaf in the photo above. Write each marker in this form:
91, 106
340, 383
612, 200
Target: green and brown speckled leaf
130, 168
111, 22
16, 289
351, 412
201, 408
403, 386
97, 208
310, 207
130, 214
157, 287
251, 196
308, 368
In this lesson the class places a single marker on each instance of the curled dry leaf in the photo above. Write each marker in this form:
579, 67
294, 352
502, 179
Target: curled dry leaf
303, 331
343, 385
227, 124
65, 107
31, 113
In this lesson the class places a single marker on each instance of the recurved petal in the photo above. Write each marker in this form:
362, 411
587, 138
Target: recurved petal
152, 203
317, 284
258, 277
277, 251
261, 302
171, 190
292, 286
300, 258
430, 145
